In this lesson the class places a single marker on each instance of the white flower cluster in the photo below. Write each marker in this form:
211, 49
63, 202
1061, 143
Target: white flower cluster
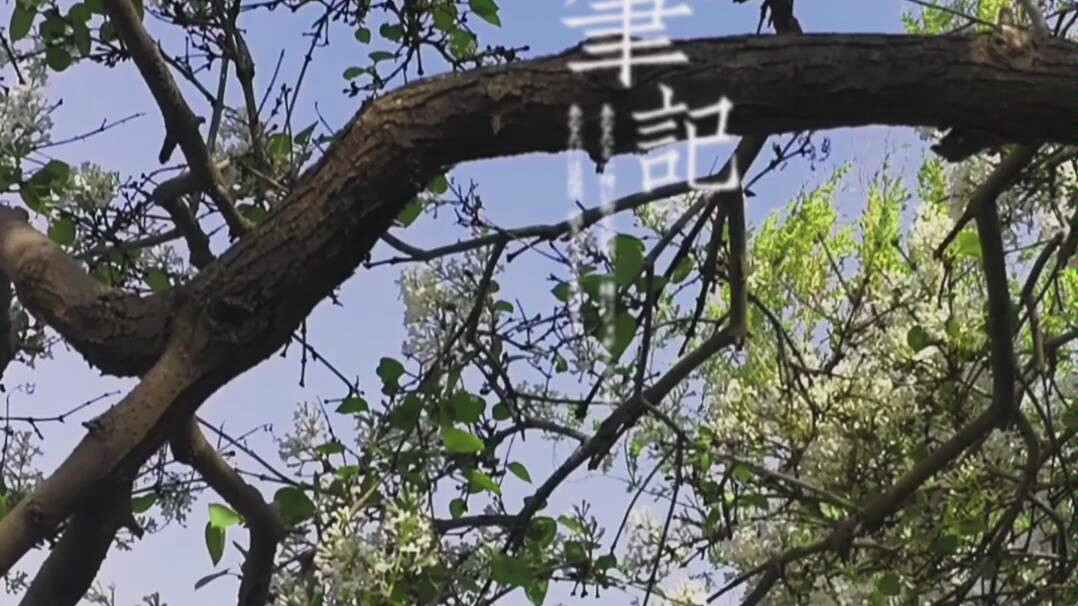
308, 431
659, 215
24, 110
644, 533
90, 187
855, 426
360, 562
687, 592
438, 297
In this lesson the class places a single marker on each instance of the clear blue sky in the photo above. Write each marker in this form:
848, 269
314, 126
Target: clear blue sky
520, 191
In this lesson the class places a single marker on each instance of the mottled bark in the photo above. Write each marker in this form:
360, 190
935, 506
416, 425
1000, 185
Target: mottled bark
243, 306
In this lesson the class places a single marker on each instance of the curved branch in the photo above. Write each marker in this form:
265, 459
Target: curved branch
246, 304
116, 445
119, 334
189, 446
180, 122
70, 569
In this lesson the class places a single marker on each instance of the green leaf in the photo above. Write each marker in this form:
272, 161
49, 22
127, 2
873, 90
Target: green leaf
279, 146
57, 58
467, 407
457, 508
53, 174
758, 501
504, 306
353, 72
536, 592
572, 524
917, 338
487, 11
391, 32
206, 580
95, 6
656, 285
405, 416
439, 186
79, 13
628, 258
945, 545
81, 34
352, 406
158, 280
330, 448
889, 584
62, 231
510, 571
254, 214
606, 562
974, 526
622, 332
215, 542
520, 471
53, 27
445, 17
143, 503
390, 371
968, 245
293, 505
481, 481
592, 285
377, 56
953, 328
461, 442
562, 292
1070, 418
22, 18
682, 271
410, 213
743, 474
462, 44
500, 412
560, 364
222, 517
363, 35
575, 552
30, 197
304, 136
543, 530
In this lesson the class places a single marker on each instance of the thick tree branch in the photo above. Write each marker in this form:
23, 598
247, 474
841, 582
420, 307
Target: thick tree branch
245, 305
118, 441
119, 334
68, 572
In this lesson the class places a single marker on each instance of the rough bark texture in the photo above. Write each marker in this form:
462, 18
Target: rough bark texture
241, 308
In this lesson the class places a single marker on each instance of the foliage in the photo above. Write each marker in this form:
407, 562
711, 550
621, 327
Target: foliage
865, 354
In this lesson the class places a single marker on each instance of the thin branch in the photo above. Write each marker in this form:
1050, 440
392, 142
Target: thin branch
180, 121
190, 447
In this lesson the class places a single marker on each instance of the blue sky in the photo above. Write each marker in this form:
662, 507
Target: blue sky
518, 191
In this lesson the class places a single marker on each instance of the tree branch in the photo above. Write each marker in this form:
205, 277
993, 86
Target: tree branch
68, 572
180, 121
189, 446
119, 334
246, 304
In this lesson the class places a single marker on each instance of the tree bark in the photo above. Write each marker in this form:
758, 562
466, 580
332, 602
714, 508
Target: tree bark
244, 306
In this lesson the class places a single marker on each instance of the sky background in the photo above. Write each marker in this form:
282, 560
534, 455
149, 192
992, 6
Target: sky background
519, 191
